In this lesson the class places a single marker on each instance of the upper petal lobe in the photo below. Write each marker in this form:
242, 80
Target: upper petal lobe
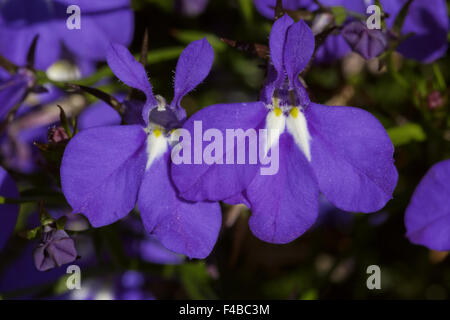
193, 66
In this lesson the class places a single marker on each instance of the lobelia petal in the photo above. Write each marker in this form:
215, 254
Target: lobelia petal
428, 20
284, 205
102, 22
183, 227
352, 157
8, 212
427, 217
277, 41
133, 112
98, 115
132, 73
239, 198
214, 182
12, 92
20, 22
298, 50
102, 170
193, 66
334, 47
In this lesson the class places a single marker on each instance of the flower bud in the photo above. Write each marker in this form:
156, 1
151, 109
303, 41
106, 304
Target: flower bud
56, 248
368, 43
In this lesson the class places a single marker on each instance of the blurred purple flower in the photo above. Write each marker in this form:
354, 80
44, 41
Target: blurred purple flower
153, 251
101, 22
33, 125
8, 212
105, 170
55, 249
97, 115
13, 90
31, 278
191, 8
427, 217
130, 285
344, 152
427, 20
331, 216
368, 43
139, 244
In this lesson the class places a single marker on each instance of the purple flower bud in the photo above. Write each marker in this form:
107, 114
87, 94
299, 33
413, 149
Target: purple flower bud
57, 134
435, 100
55, 249
368, 43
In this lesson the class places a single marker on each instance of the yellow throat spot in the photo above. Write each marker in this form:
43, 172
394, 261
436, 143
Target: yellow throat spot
157, 133
294, 112
278, 111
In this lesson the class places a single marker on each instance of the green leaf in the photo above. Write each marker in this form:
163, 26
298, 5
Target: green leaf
164, 54
340, 14
64, 121
30, 234
61, 223
187, 36
246, 7
196, 280
406, 133
311, 294
439, 77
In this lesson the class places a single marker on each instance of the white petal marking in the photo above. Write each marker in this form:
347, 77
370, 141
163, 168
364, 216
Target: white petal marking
298, 128
275, 125
157, 145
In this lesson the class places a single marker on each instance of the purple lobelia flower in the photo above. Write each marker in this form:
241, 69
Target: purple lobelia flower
8, 212
13, 90
106, 170
344, 152
55, 249
100, 23
427, 217
426, 22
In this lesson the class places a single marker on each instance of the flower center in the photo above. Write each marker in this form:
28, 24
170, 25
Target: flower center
292, 118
